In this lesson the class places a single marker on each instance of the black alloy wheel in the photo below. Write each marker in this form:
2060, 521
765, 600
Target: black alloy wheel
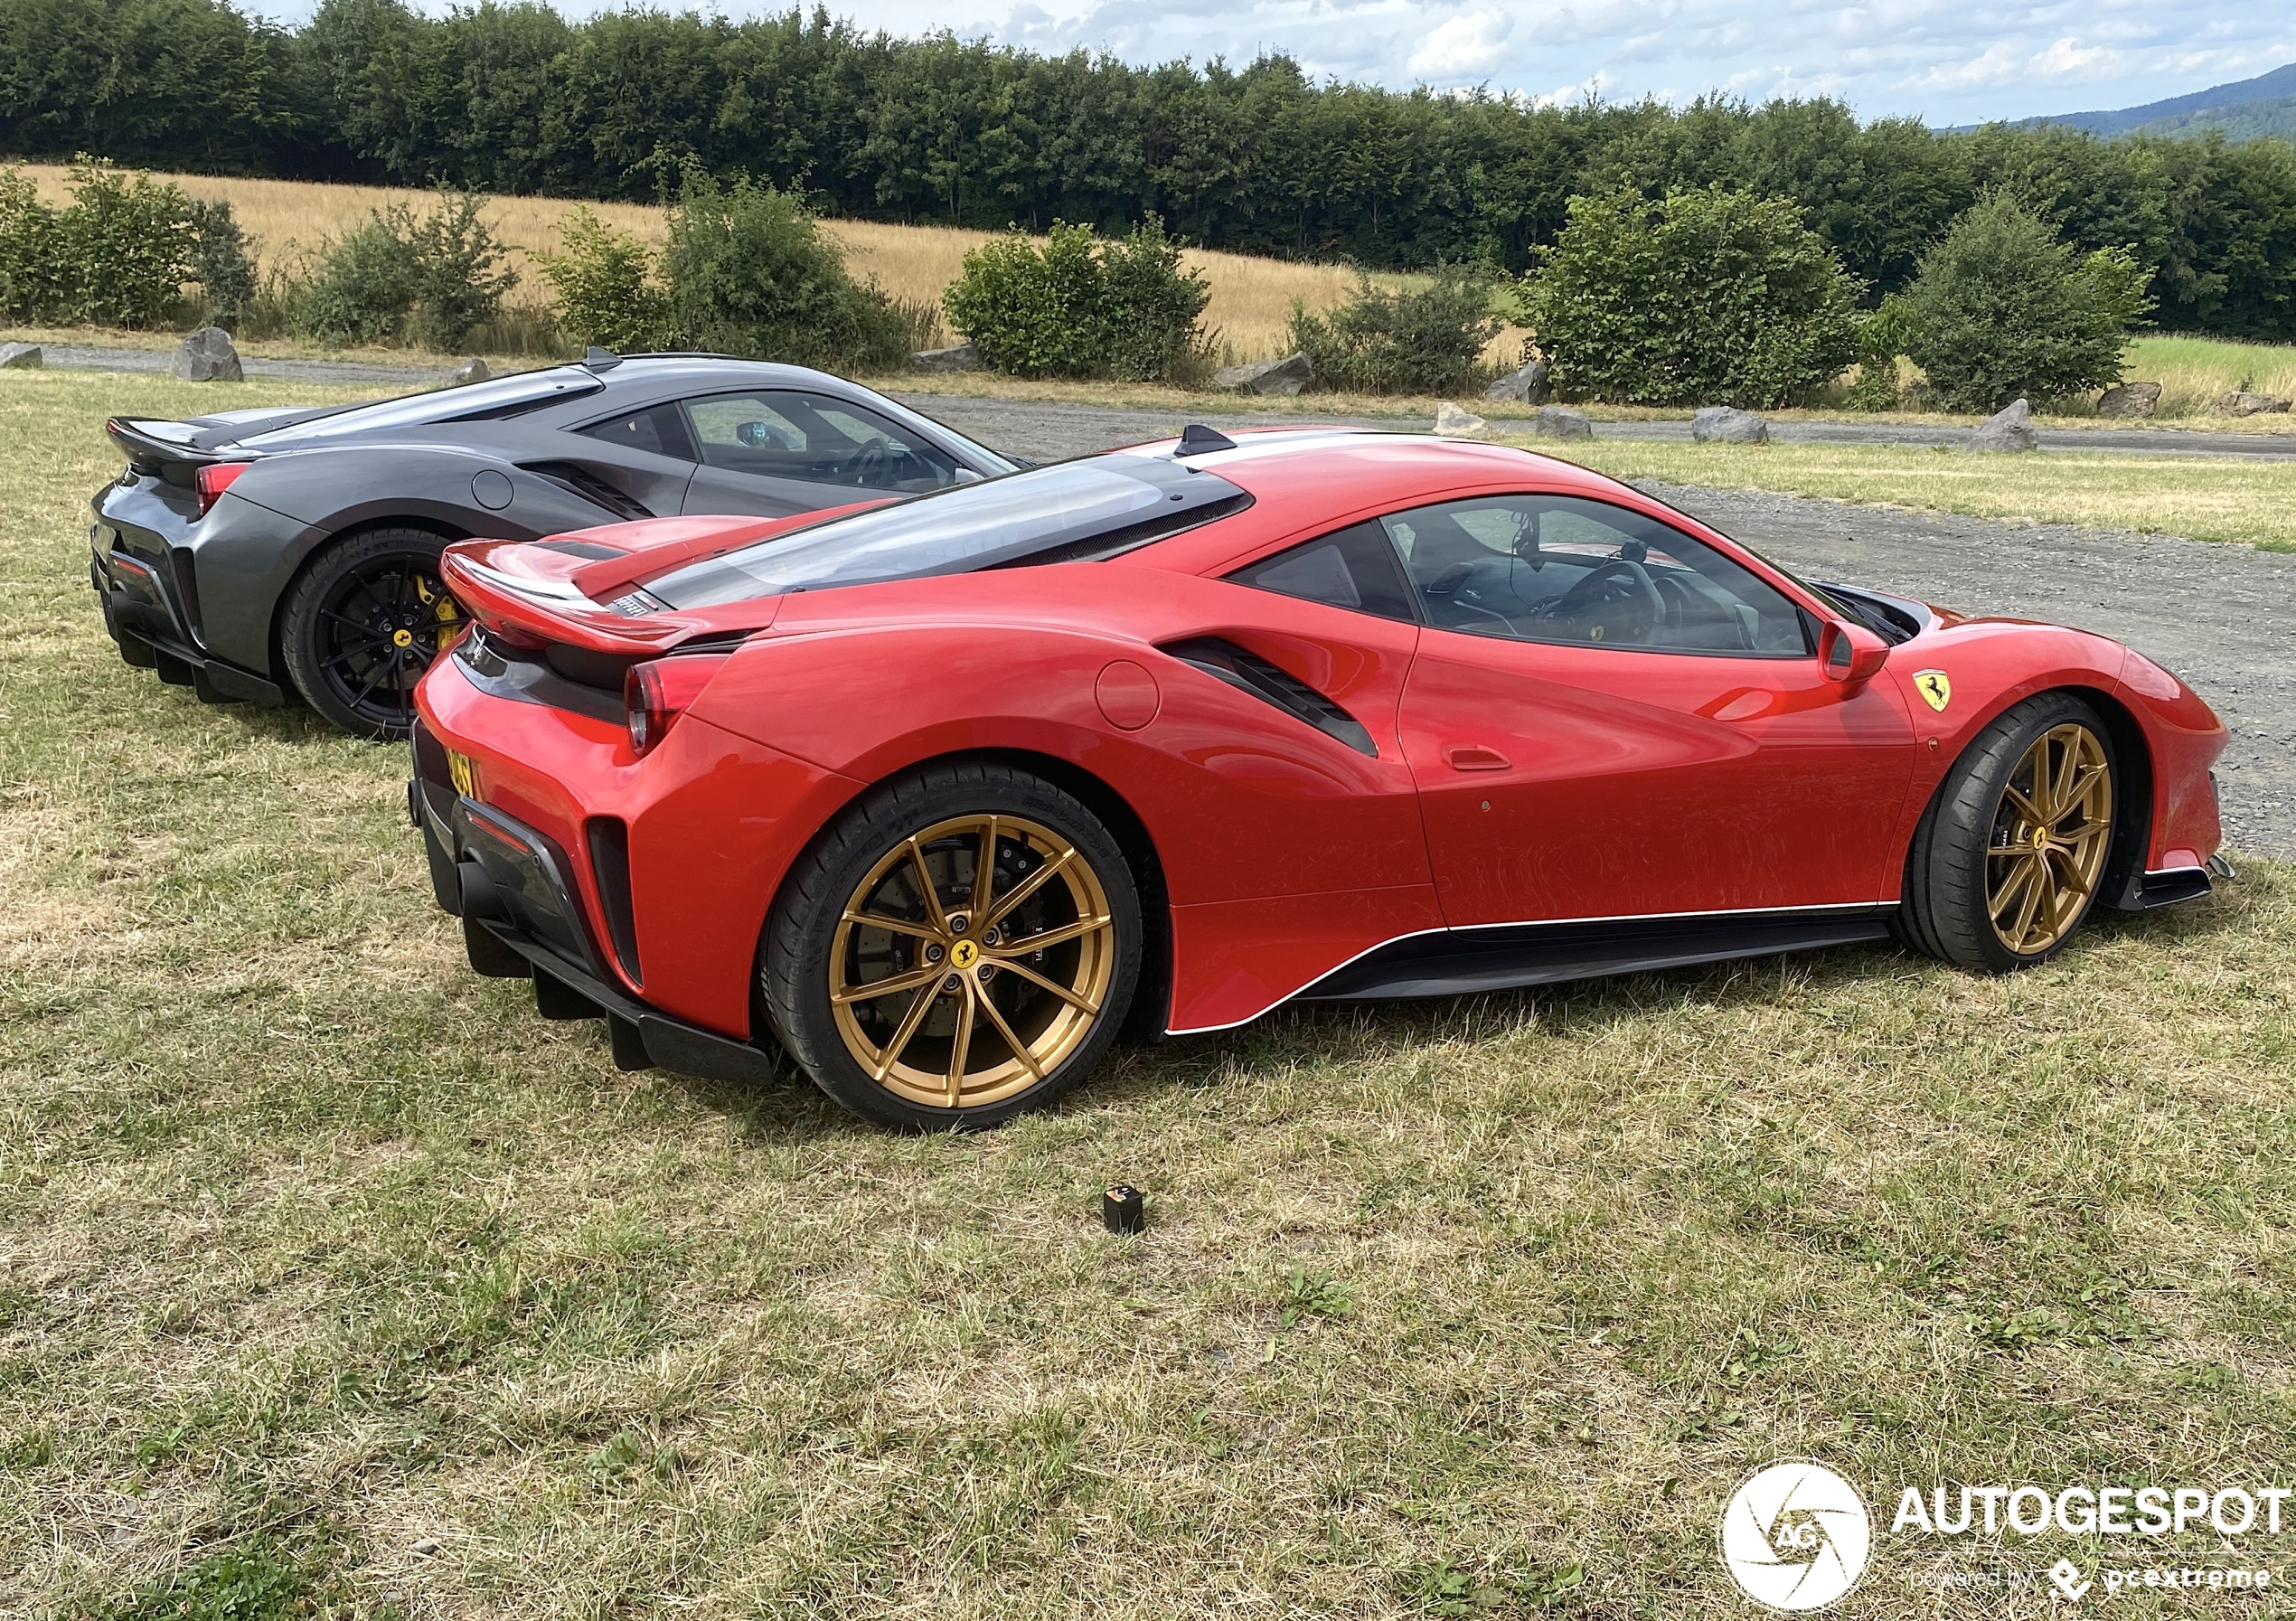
364, 623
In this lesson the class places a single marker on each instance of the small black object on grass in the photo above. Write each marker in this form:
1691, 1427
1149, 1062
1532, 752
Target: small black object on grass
1124, 1209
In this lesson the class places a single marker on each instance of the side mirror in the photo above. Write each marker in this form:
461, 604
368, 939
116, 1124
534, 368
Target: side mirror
1850, 653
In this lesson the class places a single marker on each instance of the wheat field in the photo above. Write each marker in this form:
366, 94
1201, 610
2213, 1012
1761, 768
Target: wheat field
1250, 305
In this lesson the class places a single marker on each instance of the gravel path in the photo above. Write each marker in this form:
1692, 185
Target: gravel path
80, 357
1073, 429
2224, 618
1044, 429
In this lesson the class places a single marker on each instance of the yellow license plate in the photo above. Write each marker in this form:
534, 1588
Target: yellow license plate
464, 774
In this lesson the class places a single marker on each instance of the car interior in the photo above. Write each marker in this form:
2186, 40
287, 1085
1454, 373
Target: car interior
814, 439
810, 438
1561, 569
1542, 568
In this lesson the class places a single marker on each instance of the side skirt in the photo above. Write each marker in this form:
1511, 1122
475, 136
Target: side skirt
1462, 961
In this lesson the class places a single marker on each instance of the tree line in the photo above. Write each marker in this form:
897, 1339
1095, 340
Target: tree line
1260, 159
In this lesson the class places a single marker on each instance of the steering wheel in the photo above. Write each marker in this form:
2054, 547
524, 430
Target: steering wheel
867, 465
1621, 582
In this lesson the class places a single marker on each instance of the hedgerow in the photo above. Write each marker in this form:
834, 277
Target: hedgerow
1262, 159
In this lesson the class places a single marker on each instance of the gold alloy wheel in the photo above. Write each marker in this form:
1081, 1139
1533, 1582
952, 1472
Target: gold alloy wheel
972, 959
2051, 832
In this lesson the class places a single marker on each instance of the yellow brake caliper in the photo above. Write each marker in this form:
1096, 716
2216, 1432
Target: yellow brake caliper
443, 608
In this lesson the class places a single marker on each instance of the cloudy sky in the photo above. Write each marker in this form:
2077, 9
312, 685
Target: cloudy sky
1947, 62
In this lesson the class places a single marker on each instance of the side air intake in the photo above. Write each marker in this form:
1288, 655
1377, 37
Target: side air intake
1247, 672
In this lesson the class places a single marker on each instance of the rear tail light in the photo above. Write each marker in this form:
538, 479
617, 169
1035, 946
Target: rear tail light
216, 478
656, 693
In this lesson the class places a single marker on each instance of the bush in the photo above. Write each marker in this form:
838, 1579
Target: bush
27, 249
606, 294
399, 278
1081, 307
124, 249
222, 264
1382, 342
118, 256
1881, 339
1706, 298
750, 272
2001, 309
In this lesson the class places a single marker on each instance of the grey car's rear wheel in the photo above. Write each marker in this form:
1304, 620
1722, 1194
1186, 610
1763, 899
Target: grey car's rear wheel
363, 624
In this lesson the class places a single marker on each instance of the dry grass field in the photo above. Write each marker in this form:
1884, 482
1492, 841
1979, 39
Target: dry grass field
1250, 304
334, 1282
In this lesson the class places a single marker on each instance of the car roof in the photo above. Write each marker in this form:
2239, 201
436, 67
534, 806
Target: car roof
1315, 476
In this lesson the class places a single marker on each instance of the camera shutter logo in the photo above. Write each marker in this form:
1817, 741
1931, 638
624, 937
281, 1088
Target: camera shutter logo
1795, 1535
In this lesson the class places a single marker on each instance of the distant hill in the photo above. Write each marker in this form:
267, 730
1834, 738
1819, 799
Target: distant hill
2263, 106
2241, 121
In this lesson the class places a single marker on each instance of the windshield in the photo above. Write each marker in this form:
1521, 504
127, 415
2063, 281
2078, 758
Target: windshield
1092, 508
501, 397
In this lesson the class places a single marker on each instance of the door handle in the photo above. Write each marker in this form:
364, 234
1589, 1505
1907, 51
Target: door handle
1475, 757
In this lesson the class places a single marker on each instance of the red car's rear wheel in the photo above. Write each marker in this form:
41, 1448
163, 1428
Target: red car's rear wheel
962, 945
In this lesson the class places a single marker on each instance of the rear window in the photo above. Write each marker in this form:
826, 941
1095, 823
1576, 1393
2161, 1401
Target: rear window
474, 403
1071, 510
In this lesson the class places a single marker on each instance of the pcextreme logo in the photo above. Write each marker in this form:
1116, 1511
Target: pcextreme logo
1795, 1535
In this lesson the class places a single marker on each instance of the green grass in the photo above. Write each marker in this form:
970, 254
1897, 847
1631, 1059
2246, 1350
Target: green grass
338, 1282
2248, 502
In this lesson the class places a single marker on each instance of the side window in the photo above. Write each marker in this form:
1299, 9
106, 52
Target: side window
815, 438
659, 431
1353, 568
1559, 569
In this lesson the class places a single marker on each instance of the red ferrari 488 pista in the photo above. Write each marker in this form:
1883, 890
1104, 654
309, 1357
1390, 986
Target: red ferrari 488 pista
941, 796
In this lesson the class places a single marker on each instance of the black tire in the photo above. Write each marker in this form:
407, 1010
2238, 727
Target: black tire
1968, 826
362, 623
811, 949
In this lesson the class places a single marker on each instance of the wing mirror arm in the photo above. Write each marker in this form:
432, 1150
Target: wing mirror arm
1850, 653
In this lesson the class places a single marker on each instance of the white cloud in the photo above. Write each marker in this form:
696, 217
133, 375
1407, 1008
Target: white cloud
1463, 47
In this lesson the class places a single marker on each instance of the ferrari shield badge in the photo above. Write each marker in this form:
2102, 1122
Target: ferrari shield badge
1935, 687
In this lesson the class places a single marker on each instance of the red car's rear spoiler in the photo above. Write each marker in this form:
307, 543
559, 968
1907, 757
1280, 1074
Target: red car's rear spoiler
533, 593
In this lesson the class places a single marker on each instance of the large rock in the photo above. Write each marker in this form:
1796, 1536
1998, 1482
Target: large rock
1727, 425
207, 356
2129, 399
960, 357
1286, 376
1527, 385
21, 357
473, 369
1560, 423
2008, 428
1457, 421
2241, 403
